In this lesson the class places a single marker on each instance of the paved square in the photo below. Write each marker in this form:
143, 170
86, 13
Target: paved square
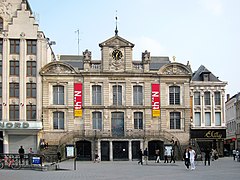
222, 169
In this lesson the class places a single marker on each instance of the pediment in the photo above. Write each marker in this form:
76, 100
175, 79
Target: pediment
116, 41
57, 68
175, 69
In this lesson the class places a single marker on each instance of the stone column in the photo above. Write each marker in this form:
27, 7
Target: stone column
111, 151
130, 150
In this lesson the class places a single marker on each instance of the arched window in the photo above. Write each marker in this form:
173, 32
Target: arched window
174, 95
58, 120
96, 95
117, 95
58, 95
97, 120
137, 95
175, 120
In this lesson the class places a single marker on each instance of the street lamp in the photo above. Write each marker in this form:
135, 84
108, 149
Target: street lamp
190, 128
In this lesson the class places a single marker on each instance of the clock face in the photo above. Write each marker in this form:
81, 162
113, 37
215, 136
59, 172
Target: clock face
117, 54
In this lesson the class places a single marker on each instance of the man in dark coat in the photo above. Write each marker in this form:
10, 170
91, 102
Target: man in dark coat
21, 153
207, 156
140, 157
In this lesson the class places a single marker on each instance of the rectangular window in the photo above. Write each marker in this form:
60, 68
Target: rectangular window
58, 95
32, 47
14, 89
117, 95
31, 68
58, 120
0, 112
31, 113
218, 119
174, 95
207, 119
14, 68
0, 67
175, 120
14, 112
137, 95
217, 98
207, 98
138, 120
96, 95
0, 89
97, 120
197, 98
14, 46
1, 46
197, 119
31, 90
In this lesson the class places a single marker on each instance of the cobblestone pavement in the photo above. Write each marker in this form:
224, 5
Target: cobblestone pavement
221, 169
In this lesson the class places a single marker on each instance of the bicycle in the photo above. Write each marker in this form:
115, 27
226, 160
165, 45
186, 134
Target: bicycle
10, 162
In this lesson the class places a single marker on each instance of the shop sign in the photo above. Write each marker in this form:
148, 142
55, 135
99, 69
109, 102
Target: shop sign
14, 125
208, 133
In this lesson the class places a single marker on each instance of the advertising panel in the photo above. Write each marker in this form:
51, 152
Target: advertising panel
156, 100
78, 99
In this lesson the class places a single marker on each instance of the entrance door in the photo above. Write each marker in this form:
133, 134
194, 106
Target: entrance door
84, 150
117, 124
120, 150
105, 151
153, 146
135, 149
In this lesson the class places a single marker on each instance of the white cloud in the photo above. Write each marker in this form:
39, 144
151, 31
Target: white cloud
151, 45
214, 6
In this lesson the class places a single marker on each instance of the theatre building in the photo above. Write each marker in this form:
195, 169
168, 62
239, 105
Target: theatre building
23, 51
116, 105
208, 125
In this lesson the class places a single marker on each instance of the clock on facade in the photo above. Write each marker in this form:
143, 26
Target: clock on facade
117, 54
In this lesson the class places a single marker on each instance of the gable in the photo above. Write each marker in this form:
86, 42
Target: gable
116, 41
175, 69
57, 68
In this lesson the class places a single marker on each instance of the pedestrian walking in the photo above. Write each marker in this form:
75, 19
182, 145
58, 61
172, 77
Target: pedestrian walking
146, 156
207, 156
186, 157
157, 154
192, 158
172, 156
21, 154
140, 154
59, 157
30, 152
165, 155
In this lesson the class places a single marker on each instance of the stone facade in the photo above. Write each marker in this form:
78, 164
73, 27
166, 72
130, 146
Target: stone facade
24, 50
117, 137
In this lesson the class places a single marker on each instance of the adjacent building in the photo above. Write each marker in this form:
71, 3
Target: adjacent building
232, 122
208, 126
24, 49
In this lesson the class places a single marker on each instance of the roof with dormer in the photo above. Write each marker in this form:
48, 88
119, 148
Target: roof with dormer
197, 75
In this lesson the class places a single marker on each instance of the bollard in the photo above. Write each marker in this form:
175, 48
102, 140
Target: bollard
75, 164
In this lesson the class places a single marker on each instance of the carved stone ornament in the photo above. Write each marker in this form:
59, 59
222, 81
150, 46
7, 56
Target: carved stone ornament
6, 10
146, 56
87, 55
175, 70
58, 69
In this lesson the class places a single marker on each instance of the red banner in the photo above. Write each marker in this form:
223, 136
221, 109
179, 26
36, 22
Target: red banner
156, 100
78, 99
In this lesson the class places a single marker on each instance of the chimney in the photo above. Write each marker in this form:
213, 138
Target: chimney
228, 97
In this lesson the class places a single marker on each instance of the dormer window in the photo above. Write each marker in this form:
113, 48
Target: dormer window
206, 77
